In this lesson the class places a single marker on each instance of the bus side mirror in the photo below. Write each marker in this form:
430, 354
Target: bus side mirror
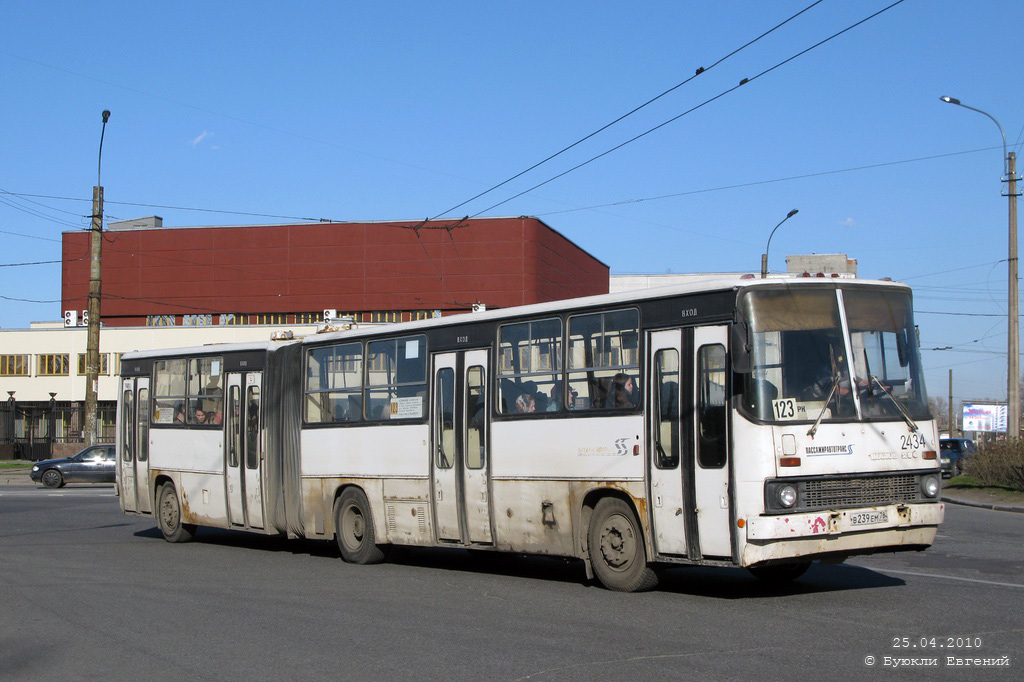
740, 348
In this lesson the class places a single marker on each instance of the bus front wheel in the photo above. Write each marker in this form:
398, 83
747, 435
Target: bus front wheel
353, 529
168, 516
616, 546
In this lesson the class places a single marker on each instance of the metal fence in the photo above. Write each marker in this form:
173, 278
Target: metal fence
41, 430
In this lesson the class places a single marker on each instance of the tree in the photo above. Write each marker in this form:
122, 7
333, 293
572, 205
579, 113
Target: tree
940, 410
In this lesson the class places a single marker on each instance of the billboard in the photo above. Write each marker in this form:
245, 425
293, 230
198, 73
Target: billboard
984, 417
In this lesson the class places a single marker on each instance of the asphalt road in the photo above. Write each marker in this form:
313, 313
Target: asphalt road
88, 593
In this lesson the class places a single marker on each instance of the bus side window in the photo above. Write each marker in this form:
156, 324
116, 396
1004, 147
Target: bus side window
712, 406
666, 412
444, 419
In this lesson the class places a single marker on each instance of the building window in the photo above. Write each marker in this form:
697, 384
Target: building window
272, 318
160, 320
309, 318
421, 314
204, 320
104, 364
52, 365
14, 365
386, 316
233, 318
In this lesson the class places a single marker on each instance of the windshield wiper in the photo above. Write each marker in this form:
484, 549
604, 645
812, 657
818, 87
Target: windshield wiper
914, 428
835, 385
837, 377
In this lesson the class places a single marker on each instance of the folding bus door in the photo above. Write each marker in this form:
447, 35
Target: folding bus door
243, 456
460, 463
133, 458
670, 473
711, 441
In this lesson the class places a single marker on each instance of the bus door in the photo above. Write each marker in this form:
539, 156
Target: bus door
710, 433
133, 460
460, 464
243, 461
670, 473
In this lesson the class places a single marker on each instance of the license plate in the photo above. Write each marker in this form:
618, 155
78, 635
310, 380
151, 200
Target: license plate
868, 518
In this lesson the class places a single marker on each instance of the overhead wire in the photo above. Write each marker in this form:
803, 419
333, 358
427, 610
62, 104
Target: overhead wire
629, 113
720, 95
755, 183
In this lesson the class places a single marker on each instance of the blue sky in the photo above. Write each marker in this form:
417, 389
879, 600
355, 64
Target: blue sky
397, 110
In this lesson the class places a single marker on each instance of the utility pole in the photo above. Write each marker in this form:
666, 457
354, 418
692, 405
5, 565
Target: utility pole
1013, 305
92, 343
1013, 356
952, 424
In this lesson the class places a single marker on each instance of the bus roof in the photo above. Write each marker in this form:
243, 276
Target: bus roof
722, 284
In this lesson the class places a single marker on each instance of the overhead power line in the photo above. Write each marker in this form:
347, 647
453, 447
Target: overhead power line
743, 82
629, 113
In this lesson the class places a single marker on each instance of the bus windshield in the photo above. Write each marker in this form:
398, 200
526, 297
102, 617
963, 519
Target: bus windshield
839, 354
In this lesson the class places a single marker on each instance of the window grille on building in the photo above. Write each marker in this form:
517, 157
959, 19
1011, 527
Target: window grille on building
52, 364
104, 364
14, 365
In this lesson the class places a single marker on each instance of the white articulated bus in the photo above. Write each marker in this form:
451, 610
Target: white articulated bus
754, 423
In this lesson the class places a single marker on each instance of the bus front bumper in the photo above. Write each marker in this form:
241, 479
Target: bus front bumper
863, 530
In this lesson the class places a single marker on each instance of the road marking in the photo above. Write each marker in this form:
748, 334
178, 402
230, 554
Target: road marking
949, 577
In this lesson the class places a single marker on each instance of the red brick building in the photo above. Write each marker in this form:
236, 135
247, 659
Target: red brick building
284, 274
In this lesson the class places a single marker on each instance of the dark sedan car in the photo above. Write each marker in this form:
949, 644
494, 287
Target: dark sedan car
95, 464
951, 455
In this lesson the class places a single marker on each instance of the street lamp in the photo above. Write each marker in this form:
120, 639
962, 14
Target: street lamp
764, 256
1013, 318
92, 339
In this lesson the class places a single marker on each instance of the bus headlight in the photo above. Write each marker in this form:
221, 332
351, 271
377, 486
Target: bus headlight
930, 486
786, 495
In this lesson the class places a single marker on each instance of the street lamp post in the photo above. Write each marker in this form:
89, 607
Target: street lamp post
1013, 315
764, 256
92, 339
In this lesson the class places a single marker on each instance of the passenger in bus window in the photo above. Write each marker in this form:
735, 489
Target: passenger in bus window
200, 415
555, 398
526, 403
623, 392
179, 414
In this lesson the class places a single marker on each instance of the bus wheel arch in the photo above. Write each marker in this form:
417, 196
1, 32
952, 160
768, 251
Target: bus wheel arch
354, 530
615, 544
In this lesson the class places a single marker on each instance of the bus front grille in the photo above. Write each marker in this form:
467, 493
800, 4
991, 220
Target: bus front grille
828, 493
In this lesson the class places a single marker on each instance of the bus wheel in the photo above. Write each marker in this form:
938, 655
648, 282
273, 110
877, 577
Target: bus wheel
168, 516
353, 529
777, 574
616, 548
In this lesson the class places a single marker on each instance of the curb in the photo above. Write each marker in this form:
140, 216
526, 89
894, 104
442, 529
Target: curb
16, 477
985, 505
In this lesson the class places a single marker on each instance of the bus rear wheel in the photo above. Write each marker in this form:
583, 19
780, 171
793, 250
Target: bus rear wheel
616, 548
168, 516
353, 529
